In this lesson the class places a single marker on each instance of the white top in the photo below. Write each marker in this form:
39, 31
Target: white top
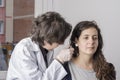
81, 74
27, 63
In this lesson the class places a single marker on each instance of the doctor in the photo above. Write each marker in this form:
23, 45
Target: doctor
32, 57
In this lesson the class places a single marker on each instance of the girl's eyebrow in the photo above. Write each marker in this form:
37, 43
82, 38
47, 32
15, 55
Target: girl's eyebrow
89, 35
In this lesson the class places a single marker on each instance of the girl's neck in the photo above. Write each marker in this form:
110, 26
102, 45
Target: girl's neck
84, 62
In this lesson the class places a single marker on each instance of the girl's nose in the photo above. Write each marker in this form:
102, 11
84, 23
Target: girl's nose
91, 40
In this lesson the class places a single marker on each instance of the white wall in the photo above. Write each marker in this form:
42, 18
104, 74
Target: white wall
42, 6
105, 12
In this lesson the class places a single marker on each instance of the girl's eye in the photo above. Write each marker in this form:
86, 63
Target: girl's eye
95, 38
85, 38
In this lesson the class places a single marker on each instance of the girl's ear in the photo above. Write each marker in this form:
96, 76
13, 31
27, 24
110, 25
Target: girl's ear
76, 40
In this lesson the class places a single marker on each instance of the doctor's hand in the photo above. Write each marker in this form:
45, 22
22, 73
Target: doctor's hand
65, 55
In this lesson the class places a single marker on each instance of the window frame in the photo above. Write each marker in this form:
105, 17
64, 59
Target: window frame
1, 27
2, 3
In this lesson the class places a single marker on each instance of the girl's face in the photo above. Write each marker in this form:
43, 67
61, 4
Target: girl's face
88, 41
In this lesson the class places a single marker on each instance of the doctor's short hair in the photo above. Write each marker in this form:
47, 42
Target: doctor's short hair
50, 27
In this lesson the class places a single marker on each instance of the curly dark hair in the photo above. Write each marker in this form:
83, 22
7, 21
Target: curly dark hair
103, 69
50, 27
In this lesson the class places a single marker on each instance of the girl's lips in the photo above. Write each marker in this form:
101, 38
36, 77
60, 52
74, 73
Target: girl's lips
90, 47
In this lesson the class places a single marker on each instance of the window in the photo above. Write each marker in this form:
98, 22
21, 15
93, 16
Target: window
1, 27
1, 3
